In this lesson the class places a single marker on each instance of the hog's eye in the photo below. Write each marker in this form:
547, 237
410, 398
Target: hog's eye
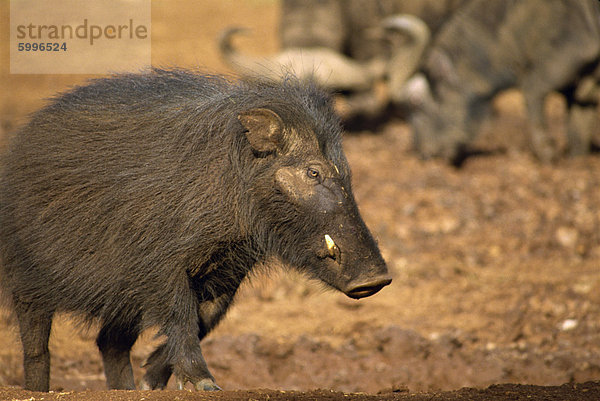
313, 173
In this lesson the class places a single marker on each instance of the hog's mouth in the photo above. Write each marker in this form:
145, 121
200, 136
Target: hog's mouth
367, 289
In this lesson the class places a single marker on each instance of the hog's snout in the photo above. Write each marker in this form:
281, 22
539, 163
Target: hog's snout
364, 279
366, 288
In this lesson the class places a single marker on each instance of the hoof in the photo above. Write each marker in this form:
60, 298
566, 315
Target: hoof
207, 385
200, 385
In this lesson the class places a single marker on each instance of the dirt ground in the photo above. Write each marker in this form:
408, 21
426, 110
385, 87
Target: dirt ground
496, 265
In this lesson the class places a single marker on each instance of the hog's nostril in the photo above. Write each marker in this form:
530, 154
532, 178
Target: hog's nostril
367, 289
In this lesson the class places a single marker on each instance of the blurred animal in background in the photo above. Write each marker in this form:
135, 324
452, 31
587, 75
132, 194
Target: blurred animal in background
538, 46
347, 46
444, 62
352, 27
329, 67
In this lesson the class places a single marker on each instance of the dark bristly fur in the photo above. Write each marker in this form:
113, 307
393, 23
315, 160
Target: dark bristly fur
145, 199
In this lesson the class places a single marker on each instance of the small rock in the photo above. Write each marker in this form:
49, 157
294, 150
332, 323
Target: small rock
569, 324
566, 236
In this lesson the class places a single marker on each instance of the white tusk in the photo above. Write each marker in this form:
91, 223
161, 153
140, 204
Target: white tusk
330, 245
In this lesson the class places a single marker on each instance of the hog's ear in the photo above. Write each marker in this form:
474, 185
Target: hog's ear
264, 129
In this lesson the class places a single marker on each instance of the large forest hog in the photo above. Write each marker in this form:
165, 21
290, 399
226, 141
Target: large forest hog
144, 200
538, 46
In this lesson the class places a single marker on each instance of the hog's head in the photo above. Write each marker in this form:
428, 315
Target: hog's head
306, 202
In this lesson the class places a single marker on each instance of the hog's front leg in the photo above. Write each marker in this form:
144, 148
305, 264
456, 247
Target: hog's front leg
159, 368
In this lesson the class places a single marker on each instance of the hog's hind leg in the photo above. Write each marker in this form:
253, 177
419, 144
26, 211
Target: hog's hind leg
115, 342
35, 323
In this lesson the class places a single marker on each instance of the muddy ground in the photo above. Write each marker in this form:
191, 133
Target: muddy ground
496, 265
